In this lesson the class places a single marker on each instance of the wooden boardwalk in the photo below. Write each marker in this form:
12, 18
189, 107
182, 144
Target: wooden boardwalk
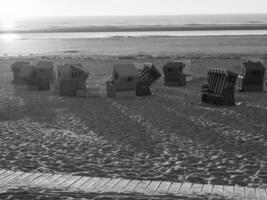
10, 180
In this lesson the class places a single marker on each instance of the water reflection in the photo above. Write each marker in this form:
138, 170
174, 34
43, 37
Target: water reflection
9, 37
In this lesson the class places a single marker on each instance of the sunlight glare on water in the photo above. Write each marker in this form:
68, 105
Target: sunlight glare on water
8, 24
9, 37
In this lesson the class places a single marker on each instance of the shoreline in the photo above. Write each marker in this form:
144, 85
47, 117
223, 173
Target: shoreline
195, 27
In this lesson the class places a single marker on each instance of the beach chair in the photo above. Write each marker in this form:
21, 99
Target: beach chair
48, 68
39, 80
220, 88
70, 79
147, 76
124, 81
21, 72
187, 70
173, 74
252, 77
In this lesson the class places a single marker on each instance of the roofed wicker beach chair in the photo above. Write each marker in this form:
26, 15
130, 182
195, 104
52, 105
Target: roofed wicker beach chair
124, 81
71, 78
21, 72
173, 74
147, 76
220, 88
252, 77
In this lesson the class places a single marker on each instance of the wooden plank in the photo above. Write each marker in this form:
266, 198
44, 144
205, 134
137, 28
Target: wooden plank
207, 188
5, 174
108, 187
153, 187
104, 185
30, 178
228, 190
2, 172
89, 184
240, 191
130, 187
40, 179
141, 187
174, 188
17, 180
69, 182
163, 187
250, 193
9, 178
185, 188
217, 189
58, 181
119, 187
79, 183
99, 184
49, 180
261, 194
196, 188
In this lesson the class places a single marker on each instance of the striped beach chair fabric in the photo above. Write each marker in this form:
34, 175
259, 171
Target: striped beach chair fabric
220, 88
147, 76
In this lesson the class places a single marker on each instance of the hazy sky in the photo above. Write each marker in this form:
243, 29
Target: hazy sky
39, 8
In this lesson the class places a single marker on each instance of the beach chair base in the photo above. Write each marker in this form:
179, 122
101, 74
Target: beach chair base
251, 88
38, 87
217, 100
142, 89
20, 81
33, 87
67, 88
112, 93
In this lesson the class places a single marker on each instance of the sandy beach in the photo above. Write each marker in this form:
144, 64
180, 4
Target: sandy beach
168, 136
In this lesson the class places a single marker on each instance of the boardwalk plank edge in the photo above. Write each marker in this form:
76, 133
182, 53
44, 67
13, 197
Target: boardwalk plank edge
16, 184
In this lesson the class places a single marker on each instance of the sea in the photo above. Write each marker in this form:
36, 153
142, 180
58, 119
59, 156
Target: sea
81, 28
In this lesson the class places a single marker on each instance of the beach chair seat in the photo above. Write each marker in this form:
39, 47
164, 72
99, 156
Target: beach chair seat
124, 81
39, 80
147, 76
252, 77
220, 88
173, 74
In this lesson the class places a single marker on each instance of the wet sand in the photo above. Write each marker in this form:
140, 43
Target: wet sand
157, 46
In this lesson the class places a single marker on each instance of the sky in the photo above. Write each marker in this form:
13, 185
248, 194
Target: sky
16, 9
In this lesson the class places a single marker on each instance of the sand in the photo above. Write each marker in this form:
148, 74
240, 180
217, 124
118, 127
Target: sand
168, 136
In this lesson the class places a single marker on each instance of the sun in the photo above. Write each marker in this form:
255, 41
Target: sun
12, 11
